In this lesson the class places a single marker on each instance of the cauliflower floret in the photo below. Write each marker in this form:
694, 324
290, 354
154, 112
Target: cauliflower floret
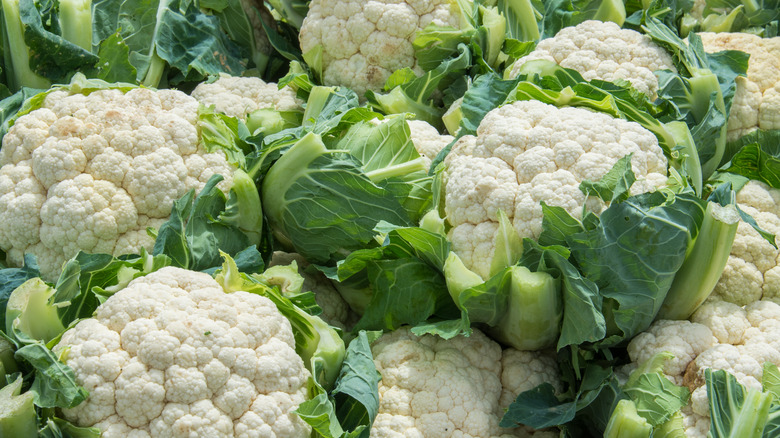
757, 99
602, 50
364, 42
459, 387
529, 152
752, 272
172, 354
91, 172
239, 96
427, 139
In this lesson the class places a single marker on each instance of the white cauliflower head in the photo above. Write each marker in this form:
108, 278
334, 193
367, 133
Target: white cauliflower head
92, 172
752, 272
239, 96
721, 336
433, 387
602, 50
172, 354
756, 102
363, 42
529, 152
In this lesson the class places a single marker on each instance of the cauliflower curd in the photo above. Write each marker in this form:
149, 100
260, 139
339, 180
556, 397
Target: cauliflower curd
93, 172
602, 50
172, 354
364, 42
719, 336
530, 152
459, 387
757, 99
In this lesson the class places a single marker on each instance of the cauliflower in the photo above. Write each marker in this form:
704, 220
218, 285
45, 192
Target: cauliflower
364, 42
602, 50
172, 354
239, 96
719, 336
459, 387
752, 271
756, 102
93, 172
529, 152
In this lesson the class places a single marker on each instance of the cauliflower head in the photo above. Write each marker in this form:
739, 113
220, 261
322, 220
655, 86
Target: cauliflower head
529, 152
239, 96
719, 336
172, 354
93, 172
432, 387
363, 42
752, 272
602, 50
756, 103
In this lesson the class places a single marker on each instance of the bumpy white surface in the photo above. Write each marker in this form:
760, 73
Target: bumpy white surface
756, 102
752, 271
720, 336
173, 355
363, 42
239, 96
434, 388
602, 50
529, 152
93, 172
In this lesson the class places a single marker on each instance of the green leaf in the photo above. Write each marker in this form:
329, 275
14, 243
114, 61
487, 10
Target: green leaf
614, 186
540, 407
634, 254
357, 389
583, 320
322, 204
114, 64
11, 278
735, 411
656, 397
55, 384
193, 236
51, 55
757, 157
406, 291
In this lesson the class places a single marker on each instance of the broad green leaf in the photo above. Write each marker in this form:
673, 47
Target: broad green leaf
55, 383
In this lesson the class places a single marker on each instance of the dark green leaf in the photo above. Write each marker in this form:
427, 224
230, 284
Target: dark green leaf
55, 384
